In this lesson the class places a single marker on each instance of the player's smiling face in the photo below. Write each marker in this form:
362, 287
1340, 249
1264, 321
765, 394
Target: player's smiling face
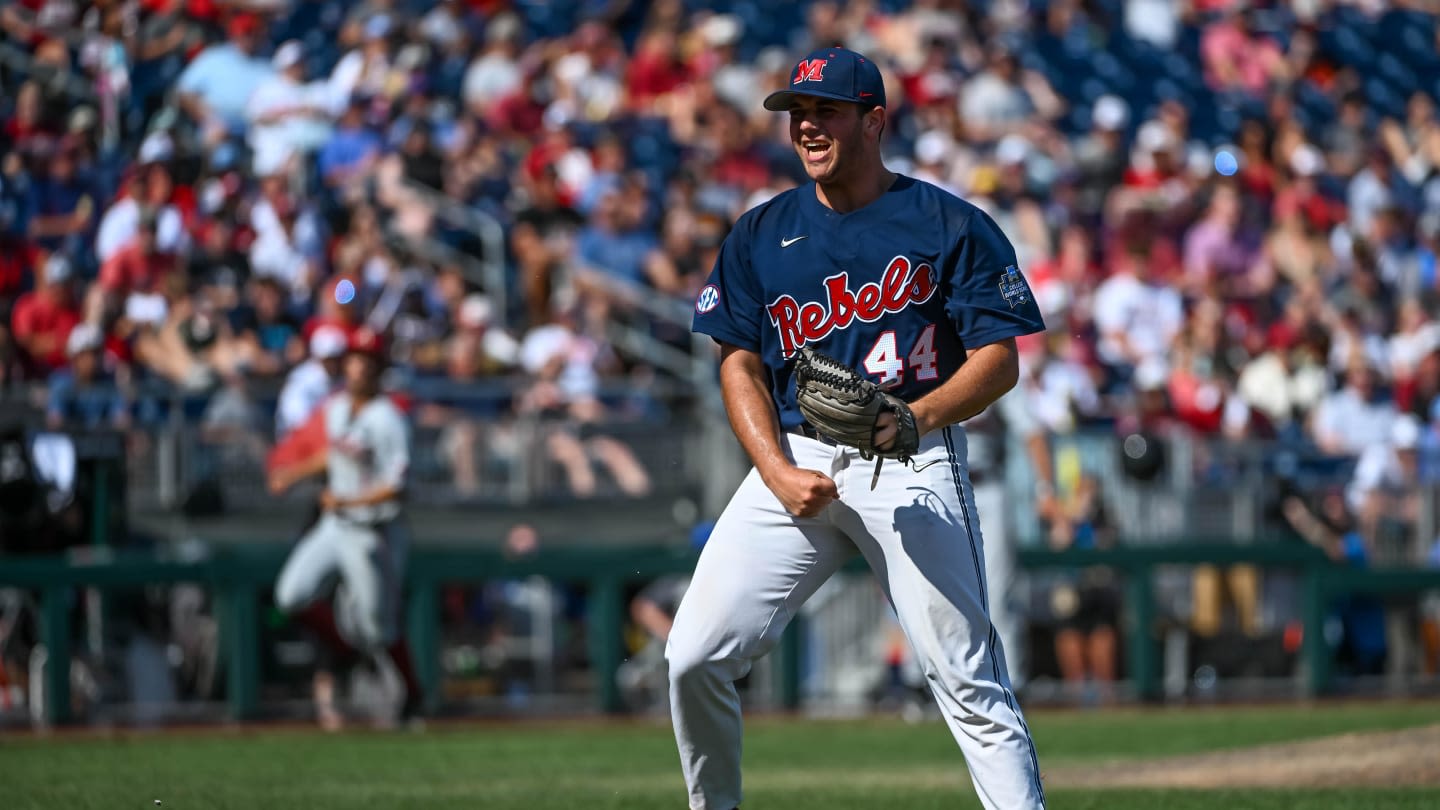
822, 130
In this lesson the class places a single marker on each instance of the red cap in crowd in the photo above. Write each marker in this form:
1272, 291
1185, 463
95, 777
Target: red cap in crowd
367, 342
242, 24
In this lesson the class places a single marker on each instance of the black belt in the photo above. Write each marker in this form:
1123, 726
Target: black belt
808, 431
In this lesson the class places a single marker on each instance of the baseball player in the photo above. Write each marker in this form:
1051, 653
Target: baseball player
919, 292
361, 535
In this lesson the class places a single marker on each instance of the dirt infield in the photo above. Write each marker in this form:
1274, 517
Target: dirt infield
1388, 759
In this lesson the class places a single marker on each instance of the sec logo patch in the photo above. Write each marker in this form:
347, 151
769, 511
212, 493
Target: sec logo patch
707, 299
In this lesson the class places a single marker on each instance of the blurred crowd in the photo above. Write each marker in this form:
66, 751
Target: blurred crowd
1228, 209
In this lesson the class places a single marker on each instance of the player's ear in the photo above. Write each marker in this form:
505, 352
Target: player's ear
875, 121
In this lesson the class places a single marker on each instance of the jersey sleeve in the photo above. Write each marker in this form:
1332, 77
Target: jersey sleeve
729, 307
302, 442
987, 298
392, 450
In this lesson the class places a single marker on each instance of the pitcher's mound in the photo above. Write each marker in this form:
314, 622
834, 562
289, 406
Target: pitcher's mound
1388, 758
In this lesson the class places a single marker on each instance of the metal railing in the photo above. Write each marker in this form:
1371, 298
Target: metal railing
1206, 487
464, 461
721, 457
488, 270
698, 364
472, 446
848, 620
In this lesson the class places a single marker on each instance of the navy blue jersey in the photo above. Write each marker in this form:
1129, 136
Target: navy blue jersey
899, 289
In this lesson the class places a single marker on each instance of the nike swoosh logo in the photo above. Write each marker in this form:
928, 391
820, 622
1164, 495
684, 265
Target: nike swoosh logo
784, 243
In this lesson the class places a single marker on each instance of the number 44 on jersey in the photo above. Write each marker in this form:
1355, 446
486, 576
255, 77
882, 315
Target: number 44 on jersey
884, 360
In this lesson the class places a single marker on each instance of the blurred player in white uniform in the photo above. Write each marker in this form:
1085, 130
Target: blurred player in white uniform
362, 535
306, 388
309, 384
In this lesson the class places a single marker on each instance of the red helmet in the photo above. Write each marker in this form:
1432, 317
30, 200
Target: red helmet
368, 342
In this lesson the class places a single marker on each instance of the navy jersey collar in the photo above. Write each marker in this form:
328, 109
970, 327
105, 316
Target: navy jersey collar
892, 200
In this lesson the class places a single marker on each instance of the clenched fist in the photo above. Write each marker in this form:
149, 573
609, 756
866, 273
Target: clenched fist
803, 493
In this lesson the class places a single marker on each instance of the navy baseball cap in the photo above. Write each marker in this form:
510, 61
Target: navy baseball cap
837, 73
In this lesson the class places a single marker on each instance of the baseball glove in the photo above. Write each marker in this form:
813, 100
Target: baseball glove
843, 405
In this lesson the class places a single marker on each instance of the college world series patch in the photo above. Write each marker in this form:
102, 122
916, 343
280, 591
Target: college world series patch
1013, 287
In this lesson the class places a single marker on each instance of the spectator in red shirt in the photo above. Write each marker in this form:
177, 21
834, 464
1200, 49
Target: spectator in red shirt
1064, 285
140, 266
738, 163
43, 318
1302, 195
520, 113
17, 256
26, 126
1155, 160
655, 71
1256, 175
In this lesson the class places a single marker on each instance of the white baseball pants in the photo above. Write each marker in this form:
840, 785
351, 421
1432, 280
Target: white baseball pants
1003, 592
920, 535
370, 563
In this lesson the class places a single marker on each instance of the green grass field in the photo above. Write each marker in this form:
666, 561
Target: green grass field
790, 763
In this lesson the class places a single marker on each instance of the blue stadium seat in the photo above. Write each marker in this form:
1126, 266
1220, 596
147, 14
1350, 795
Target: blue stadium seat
1350, 48
1419, 39
1315, 100
1188, 43
1351, 19
415, 8
1108, 67
546, 19
316, 40
1164, 89
1030, 59
1203, 124
1147, 64
1113, 9
1383, 99
1047, 48
1092, 89
303, 19
1397, 74
1183, 71
1307, 120
1228, 120
1390, 28
1417, 49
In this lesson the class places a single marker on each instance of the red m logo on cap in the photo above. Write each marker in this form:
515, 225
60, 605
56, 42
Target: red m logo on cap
810, 70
